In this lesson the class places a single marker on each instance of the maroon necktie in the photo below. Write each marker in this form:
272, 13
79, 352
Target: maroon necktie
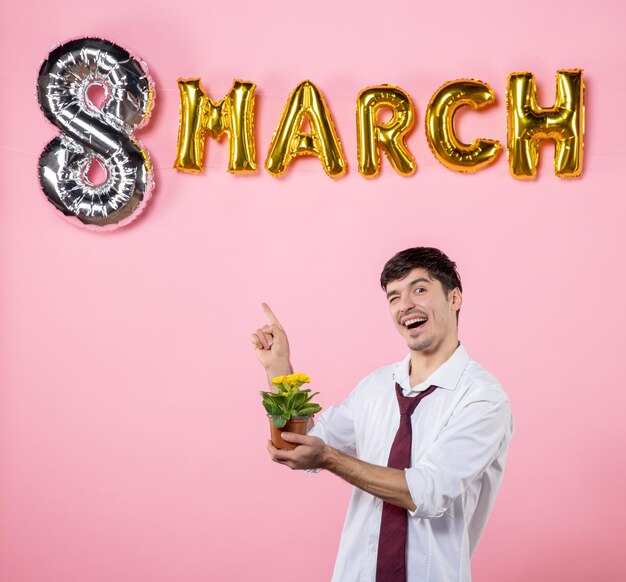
391, 563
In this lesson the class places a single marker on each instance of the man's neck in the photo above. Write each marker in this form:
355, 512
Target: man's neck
424, 363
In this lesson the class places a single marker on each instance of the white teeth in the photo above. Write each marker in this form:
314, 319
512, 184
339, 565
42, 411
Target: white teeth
412, 321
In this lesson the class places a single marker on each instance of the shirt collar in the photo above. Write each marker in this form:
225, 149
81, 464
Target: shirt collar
447, 376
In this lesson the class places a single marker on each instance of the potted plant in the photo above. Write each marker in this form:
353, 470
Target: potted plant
289, 409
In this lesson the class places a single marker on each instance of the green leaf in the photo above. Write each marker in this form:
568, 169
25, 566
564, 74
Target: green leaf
309, 410
272, 398
299, 399
279, 421
290, 401
271, 408
310, 396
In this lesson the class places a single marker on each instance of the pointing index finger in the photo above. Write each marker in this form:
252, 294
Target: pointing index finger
270, 315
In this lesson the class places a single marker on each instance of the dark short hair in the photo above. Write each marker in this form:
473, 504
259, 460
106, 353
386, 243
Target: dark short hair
432, 260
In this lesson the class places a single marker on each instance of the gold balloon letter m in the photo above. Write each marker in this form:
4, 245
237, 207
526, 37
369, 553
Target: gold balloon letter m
233, 115
528, 124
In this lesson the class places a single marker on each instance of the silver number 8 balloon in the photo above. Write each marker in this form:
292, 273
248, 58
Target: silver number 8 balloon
92, 134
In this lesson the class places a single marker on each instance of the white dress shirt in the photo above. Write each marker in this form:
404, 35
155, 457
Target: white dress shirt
461, 434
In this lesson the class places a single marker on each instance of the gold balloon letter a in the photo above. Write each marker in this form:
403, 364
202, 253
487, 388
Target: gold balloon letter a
440, 132
390, 135
528, 124
233, 115
321, 141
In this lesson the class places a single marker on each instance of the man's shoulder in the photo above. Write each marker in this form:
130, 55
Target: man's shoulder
479, 381
388, 371
382, 375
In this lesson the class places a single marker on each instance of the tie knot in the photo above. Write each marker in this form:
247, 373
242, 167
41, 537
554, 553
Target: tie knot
408, 404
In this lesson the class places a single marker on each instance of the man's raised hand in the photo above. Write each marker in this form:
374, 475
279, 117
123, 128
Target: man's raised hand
271, 346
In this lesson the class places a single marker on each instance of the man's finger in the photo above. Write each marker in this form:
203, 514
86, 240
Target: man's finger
270, 315
264, 339
297, 439
278, 455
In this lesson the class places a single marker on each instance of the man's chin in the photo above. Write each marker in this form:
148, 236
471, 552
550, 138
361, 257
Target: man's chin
419, 344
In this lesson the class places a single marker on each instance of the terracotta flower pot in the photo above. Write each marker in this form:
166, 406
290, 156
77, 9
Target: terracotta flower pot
298, 424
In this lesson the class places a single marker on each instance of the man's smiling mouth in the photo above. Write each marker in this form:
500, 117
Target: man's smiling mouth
414, 322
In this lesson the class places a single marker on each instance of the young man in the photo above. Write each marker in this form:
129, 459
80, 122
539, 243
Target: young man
424, 441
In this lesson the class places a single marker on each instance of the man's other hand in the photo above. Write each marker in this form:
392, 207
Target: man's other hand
311, 452
271, 346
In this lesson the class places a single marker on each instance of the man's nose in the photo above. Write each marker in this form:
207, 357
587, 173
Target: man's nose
406, 302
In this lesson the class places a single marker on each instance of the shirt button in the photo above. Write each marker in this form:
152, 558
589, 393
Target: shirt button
373, 545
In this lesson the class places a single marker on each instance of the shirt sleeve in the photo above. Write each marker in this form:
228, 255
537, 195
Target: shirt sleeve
474, 437
335, 426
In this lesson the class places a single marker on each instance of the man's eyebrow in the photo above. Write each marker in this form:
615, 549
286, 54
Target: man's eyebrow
418, 280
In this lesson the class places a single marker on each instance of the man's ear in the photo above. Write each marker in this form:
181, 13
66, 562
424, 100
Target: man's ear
455, 298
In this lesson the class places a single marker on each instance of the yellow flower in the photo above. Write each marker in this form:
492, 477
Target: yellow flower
291, 379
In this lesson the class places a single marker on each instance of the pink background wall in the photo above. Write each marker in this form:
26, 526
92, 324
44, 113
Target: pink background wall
132, 439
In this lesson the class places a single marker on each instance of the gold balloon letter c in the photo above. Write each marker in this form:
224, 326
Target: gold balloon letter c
440, 132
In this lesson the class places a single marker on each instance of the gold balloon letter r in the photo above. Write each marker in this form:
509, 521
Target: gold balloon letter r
390, 135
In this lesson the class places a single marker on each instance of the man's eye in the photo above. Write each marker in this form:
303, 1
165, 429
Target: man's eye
393, 299
419, 290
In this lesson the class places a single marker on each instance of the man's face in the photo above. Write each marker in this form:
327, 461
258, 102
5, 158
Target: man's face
424, 315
